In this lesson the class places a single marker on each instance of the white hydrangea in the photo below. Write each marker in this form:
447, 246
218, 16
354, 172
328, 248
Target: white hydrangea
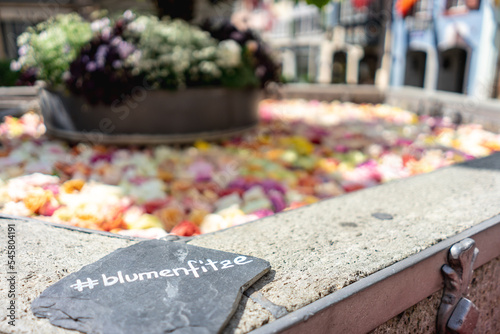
139, 24
134, 58
229, 54
128, 15
52, 45
174, 53
100, 25
205, 53
146, 191
210, 68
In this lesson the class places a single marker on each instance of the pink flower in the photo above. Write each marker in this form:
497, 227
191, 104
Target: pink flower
263, 213
201, 170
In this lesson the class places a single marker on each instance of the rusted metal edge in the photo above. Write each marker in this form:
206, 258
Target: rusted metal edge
371, 301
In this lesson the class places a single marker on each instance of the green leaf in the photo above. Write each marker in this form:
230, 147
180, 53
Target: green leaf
318, 3
7, 77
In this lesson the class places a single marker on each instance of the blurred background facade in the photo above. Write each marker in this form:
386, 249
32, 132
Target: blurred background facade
448, 45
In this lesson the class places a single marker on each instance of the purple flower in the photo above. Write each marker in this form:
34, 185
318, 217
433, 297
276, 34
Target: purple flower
341, 148
239, 183
201, 170
269, 185
91, 66
277, 200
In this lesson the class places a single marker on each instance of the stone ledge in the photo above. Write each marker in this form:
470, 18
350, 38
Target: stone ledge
319, 249
469, 108
313, 251
44, 255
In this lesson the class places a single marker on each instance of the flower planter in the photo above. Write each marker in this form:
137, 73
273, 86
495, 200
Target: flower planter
101, 61
151, 116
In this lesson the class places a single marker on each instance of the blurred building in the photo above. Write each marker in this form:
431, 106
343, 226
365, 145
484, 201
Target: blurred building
297, 32
449, 45
354, 49
343, 43
292, 29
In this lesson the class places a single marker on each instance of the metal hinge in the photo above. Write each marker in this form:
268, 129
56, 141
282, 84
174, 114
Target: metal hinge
456, 313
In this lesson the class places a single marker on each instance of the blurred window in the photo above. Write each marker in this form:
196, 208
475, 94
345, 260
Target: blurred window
415, 68
420, 15
302, 61
368, 66
339, 67
455, 4
306, 20
306, 25
422, 9
349, 15
452, 67
461, 6
281, 28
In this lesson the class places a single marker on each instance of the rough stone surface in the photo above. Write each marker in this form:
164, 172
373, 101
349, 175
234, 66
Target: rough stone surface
313, 251
484, 292
44, 256
152, 287
321, 248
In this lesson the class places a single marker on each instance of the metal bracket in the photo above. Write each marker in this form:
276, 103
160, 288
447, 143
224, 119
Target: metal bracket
456, 313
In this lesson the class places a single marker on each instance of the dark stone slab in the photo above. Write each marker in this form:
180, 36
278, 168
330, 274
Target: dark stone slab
152, 287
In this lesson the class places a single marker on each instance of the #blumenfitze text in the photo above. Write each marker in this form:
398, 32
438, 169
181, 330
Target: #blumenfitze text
195, 268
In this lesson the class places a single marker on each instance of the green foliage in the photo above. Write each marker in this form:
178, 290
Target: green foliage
318, 3
242, 75
52, 45
7, 77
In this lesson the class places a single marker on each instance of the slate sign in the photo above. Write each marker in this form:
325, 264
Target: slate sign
152, 287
